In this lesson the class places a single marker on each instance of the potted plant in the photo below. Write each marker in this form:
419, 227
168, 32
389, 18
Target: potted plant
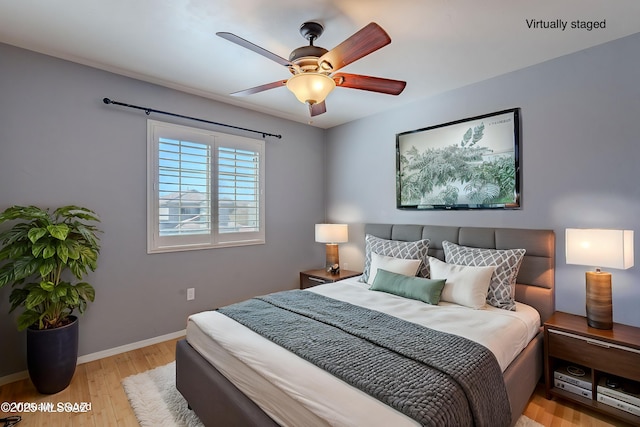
40, 256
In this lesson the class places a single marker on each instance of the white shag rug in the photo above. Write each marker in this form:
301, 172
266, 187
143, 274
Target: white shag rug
156, 401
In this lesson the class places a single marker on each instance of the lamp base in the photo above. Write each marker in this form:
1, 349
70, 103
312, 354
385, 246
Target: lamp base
332, 255
599, 303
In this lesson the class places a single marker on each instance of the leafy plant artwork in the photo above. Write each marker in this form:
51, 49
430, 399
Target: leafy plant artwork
463, 173
39, 257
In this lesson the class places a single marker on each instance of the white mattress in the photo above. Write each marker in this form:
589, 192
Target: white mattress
295, 392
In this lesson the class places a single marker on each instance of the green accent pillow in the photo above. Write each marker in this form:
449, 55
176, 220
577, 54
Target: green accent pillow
418, 288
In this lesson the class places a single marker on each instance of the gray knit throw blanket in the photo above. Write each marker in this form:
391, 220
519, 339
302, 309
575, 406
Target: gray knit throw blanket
436, 378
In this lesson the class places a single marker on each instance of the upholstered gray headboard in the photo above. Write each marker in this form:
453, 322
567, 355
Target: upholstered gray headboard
536, 279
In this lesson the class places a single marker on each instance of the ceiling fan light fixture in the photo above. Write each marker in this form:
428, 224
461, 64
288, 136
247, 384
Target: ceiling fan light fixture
311, 88
313, 67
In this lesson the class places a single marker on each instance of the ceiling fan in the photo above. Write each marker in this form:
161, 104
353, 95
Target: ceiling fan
314, 67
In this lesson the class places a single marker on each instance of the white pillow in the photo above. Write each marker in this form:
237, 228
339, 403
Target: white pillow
465, 285
397, 249
502, 289
408, 267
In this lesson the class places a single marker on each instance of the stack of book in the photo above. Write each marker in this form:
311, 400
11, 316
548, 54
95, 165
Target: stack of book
574, 379
620, 393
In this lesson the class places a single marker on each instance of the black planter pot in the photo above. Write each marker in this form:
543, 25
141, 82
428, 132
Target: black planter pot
52, 355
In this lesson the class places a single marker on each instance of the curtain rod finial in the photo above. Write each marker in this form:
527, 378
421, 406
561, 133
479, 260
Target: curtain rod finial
106, 100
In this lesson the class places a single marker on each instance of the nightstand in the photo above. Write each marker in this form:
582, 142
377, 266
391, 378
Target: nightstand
312, 278
601, 355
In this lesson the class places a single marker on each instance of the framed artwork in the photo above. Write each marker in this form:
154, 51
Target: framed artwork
472, 163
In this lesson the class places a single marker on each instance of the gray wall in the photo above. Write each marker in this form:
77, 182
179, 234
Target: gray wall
580, 118
59, 144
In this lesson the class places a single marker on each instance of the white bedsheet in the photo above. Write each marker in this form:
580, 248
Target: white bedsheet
295, 392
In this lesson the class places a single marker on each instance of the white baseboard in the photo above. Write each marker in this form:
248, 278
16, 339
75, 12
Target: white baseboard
18, 376
128, 347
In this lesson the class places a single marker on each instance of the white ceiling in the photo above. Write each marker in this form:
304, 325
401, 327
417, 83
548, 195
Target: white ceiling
437, 45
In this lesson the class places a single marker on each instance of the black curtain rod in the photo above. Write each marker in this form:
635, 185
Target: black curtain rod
151, 110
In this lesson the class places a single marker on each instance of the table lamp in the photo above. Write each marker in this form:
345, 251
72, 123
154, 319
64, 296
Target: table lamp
332, 234
599, 248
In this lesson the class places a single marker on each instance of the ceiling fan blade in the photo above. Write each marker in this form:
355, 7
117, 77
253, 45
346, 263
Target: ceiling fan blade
255, 48
260, 88
367, 40
373, 84
317, 109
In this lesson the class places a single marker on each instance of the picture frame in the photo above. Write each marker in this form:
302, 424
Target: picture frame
473, 163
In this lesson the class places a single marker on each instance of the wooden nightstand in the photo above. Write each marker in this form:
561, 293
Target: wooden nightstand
312, 278
603, 354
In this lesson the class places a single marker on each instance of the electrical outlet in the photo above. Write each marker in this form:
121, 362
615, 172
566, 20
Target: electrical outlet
191, 294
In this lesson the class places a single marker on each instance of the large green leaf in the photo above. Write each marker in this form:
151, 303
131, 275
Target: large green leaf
17, 233
59, 231
73, 250
59, 293
36, 233
38, 248
73, 298
23, 212
25, 267
47, 285
73, 211
82, 306
78, 269
49, 251
47, 266
88, 233
88, 257
17, 298
17, 250
36, 297
6, 274
5, 252
28, 318
62, 289
63, 252
85, 291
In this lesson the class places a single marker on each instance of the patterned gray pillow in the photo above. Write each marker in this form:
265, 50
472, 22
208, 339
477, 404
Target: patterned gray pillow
395, 249
503, 282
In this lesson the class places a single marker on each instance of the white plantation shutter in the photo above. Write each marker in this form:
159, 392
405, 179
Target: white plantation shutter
183, 189
240, 183
238, 190
205, 189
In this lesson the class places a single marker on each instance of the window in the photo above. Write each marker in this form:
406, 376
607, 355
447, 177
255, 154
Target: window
205, 189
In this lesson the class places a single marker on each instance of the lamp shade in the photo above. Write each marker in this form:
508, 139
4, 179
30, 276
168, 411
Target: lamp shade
332, 233
311, 88
599, 247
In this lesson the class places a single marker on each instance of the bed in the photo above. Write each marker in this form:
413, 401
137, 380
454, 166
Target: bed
202, 373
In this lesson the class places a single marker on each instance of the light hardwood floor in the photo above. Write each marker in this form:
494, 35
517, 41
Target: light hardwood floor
99, 383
